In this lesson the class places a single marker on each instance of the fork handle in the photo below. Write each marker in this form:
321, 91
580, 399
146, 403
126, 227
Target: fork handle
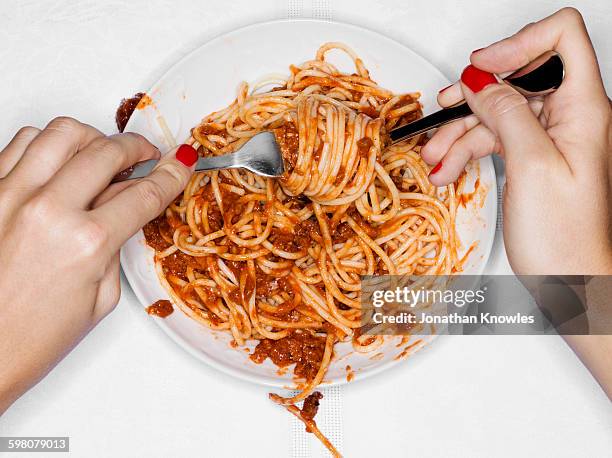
143, 168
541, 76
225, 161
437, 119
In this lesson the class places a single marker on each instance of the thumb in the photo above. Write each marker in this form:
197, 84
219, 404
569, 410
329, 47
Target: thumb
140, 202
506, 113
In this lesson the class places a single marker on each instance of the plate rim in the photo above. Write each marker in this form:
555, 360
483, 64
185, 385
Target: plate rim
262, 379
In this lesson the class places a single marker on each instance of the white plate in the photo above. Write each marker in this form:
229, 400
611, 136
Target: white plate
206, 80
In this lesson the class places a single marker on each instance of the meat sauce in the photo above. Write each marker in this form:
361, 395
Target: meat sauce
363, 146
269, 284
307, 231
122, 116
363, 224
303, 235
342, 233
125, 110
153, 233
211, 128
303, 349
311, 406
369, 111
161, 308
300, 348
284, 240
288, 141
177, 263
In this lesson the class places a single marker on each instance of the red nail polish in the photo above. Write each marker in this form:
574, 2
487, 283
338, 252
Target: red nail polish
444, 88
476, 50
187, 155
436, 169
477, 79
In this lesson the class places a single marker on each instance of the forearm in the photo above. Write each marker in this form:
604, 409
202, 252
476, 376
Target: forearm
595, 352
18, 372
31, 344
11, 384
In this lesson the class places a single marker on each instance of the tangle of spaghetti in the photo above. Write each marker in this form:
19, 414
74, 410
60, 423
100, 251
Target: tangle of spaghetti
280, 260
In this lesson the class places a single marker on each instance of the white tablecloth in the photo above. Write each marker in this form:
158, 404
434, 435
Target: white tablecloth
127, 390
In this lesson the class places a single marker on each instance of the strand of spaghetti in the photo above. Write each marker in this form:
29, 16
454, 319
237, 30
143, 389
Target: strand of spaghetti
312, 299
378, 250
193, 312
322, 219
311, 426
310, 387
330, 285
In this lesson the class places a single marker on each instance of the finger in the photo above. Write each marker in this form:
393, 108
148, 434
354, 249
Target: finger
15, 149
135, 206
88, 173
111, 192
50, 150
439, 144
475, 144
506, 113
564, 32
536, 105
450, 95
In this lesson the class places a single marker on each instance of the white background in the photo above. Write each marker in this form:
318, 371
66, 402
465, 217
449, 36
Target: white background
128, 391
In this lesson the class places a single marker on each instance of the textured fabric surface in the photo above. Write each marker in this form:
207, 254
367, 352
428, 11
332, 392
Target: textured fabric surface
329, 420
129, 391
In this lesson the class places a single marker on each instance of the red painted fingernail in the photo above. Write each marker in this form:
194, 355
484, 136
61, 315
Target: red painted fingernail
476, 50
477, 79
436, 169
187, 155
444, 88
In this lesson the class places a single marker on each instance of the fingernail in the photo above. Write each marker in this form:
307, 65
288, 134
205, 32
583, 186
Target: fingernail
476, 50
477, 79
444, 88
436, 169
187, 155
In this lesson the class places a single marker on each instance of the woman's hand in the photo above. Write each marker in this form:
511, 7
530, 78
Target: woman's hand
557, 153
61, 228
557, 149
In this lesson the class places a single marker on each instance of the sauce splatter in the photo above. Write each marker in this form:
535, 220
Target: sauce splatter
461, 262
406, 351
311, 406
144, 102
477, 195
126, 108
403, 341
350, 374
161, 308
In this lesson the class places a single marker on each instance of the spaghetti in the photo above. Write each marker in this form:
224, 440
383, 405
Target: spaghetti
280, 260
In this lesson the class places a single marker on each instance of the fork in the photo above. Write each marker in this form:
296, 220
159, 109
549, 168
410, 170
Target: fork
261, 154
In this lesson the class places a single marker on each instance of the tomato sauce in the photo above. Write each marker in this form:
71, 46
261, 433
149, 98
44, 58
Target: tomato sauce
161, 308
125, 110
303, 349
